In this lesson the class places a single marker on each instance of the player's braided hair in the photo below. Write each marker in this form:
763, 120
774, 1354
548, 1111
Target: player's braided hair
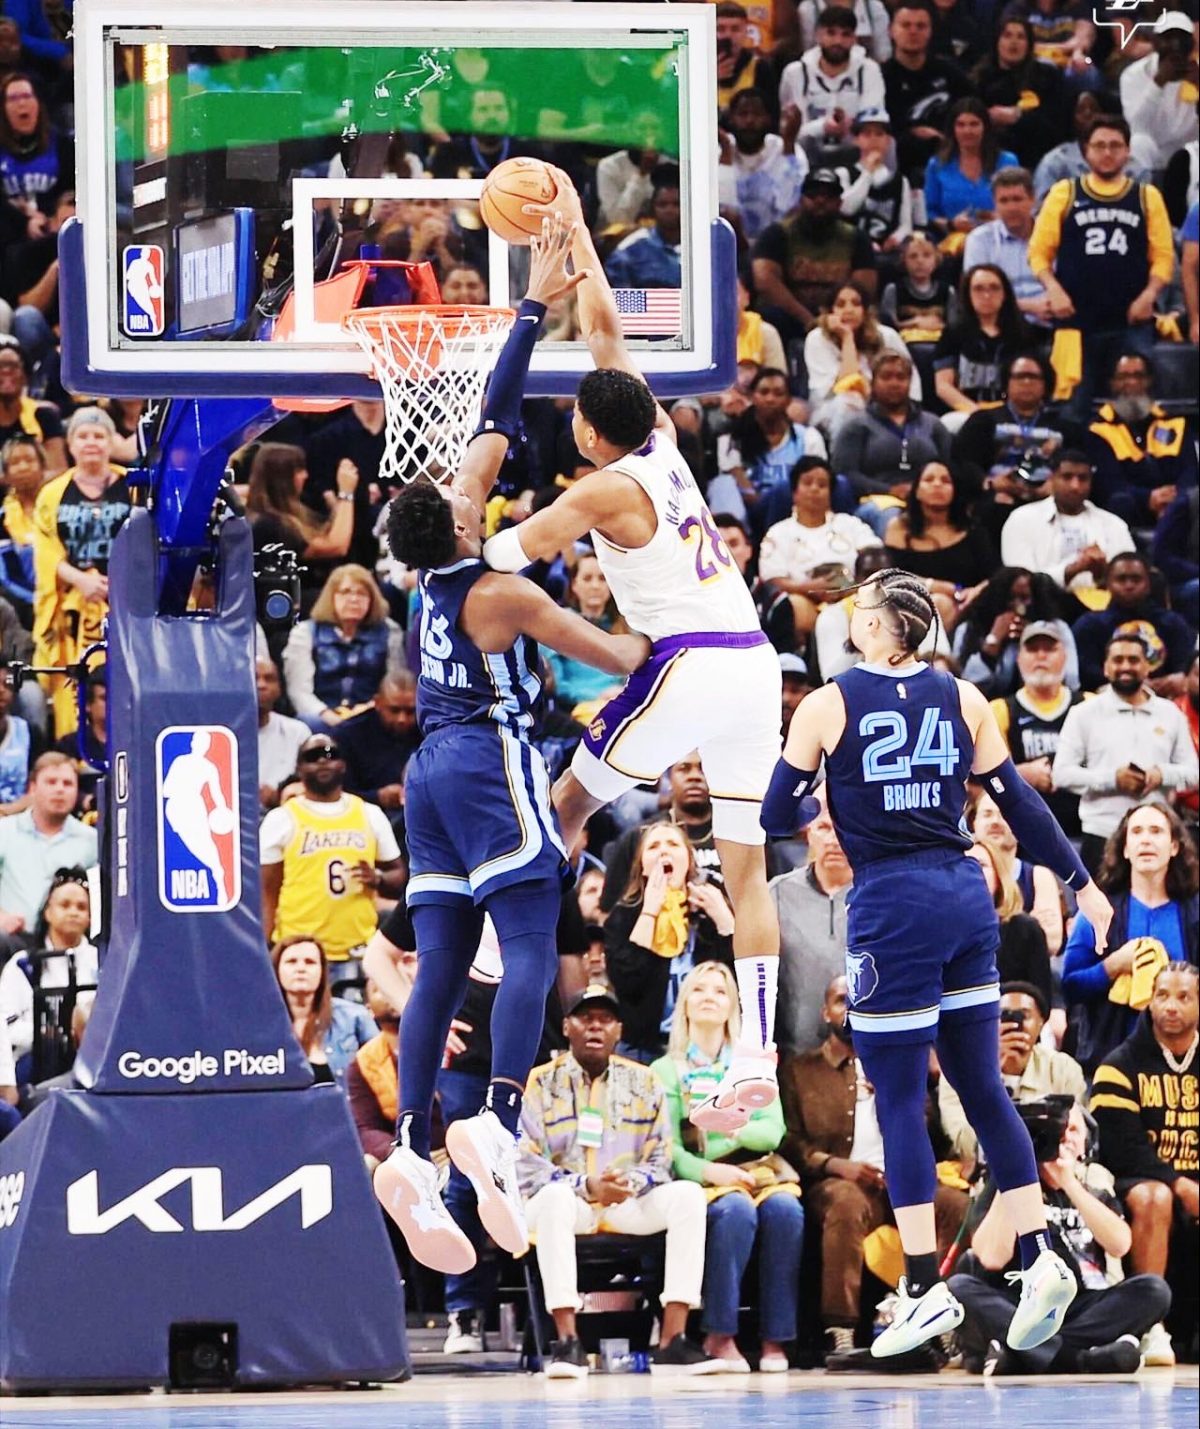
420, 527
906, 598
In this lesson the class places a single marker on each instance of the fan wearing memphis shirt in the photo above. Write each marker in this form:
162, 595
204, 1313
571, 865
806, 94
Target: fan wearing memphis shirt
482, 838
899, 739
712, 682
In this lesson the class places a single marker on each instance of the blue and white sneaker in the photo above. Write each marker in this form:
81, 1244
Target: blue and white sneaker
917, 1319
1047, 1289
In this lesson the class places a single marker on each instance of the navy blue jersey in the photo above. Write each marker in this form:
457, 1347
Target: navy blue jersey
1103, 258
897, 777
459, 683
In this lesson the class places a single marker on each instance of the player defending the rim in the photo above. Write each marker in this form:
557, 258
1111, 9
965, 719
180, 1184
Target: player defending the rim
899, 740
712, 682
481, 833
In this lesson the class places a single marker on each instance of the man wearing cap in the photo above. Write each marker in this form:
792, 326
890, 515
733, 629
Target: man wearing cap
595, 1154
1004, 241
1158, 93
801, 262
830, 84
877, 199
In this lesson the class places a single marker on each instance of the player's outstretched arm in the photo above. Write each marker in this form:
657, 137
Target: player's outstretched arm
1028, 816
815, 727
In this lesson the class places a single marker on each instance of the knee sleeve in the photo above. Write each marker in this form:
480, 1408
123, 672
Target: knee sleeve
898, 1074
526, 919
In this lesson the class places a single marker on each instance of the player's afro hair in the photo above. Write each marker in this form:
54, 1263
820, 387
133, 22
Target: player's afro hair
420, 527
619, 406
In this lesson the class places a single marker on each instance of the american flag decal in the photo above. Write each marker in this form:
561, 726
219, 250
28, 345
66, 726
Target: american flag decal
649, 312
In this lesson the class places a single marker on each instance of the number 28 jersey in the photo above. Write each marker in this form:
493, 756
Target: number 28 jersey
683, 581
897, 779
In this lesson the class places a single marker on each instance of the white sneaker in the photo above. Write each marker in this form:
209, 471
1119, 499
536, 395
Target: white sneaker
406, 1187
462, 1334
486, 1153
1157, 1350
917, 1319
1047, 1289
750, 1082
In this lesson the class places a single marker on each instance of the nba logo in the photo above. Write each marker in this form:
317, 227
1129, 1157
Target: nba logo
143, 310
199, 828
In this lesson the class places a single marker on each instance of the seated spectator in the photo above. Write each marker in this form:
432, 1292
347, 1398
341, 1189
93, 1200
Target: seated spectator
37, 429
768, 173
1022, 955
1036, 886
37, 162
773, 608
380, 741
958, 180
1132, 609
20, 746
1149, 874
1067, 160
33, 1096
1189, 261
987, 640
279, 736
971, 357
1188, 704
756, 456
838, 354
330, 1029
1063, 36
1142, 457
59, 956
874, 194
741, 59
10, 1117
1118, 748
934, 538
870, 27
595, 1154
956, 32
1177, 550
1102, 1330
1023, 95
623, 187
1030, 1069
1158, 93
920, 87
1031, 720
811, 555
1063, 533
833, 1138
753, 1194
30, 288
372, 1081
830, 84
801, 261
650, 257
666, 922
919, 304
1004, 242
879, 450
1144, 1096
758, 345
334, 660
44, 838
23, 471
588, 593
811, 904
832, 633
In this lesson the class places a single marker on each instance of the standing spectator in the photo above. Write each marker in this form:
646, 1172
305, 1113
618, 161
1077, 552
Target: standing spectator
971, 356
595, 1153
42, 839
830, 84
380, 741
1144, 1095
330, 1029
838, 353
920, 87
279, 736
650, 257
1024, 97
934, 538
1149, 874
1132, 609
1103, 250
1063, 533
988, 638
666, 923
811, 903
958, 179
76, 519
334, 660
878, 451
22, 416
1158, 93
1004, 242
1121, 746
1031, 720
1143, 457
324, 855
800, 262
877, 197
753, 1194
768, 174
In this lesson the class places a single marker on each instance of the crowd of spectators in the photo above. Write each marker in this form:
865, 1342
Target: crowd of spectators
948, 363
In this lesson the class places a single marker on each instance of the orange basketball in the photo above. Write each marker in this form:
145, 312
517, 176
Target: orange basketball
508, 187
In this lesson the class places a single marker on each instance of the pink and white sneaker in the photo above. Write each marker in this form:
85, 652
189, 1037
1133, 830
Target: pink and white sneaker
750, 1082
486, 1154
406, 1187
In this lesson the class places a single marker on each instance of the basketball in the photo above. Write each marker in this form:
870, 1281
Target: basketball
508, 187
220, 821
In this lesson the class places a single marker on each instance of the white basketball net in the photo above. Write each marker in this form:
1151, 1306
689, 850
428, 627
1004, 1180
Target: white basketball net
432, 364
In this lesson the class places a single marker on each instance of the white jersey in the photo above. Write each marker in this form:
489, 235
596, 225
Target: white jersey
683, 581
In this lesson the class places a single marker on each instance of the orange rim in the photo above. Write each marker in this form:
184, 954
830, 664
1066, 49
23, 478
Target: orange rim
454, 320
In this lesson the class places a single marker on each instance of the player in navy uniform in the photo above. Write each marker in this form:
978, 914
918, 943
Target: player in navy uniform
481, 834
899, 740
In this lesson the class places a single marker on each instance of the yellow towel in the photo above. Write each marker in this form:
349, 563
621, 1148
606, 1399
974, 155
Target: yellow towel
1134, 989
883, 1255
1066, 357
856, 382
671, 925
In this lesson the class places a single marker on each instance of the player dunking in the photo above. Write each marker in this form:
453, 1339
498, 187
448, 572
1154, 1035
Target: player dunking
481, 833
712, 682
899, 740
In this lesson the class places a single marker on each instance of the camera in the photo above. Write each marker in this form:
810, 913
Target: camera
1046, 1122
277, 586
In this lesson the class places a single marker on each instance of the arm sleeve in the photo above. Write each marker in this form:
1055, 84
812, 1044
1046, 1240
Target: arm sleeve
1034, 825
1128, 1152
1047, 229
789, 805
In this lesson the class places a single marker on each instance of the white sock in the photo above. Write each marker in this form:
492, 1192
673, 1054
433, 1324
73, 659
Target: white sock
758, 988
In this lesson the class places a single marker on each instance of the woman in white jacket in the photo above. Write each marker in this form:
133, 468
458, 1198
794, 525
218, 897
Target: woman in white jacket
838, 353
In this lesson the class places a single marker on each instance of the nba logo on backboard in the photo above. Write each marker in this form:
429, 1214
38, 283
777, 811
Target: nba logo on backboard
199, 834
143, 308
